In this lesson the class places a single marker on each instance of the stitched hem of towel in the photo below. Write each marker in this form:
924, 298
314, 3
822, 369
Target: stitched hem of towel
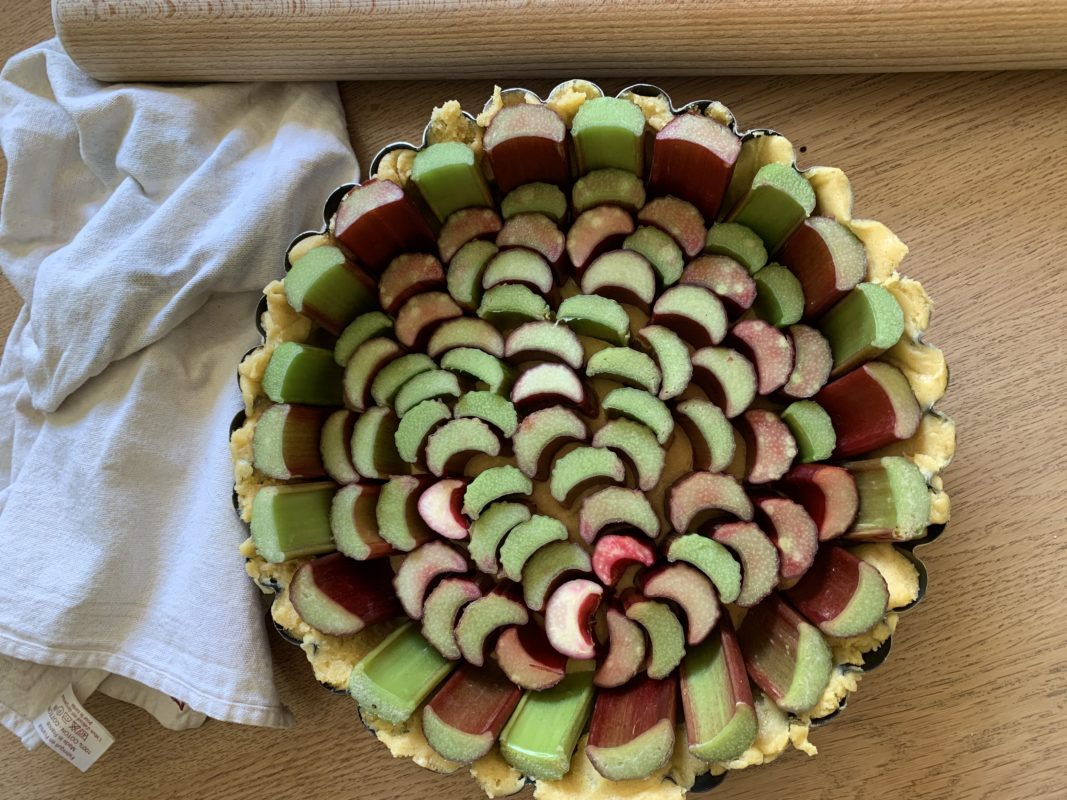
214, 707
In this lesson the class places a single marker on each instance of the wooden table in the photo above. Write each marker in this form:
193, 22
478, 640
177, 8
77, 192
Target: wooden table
970, 170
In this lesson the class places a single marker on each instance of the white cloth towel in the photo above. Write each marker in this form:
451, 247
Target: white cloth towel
139, 224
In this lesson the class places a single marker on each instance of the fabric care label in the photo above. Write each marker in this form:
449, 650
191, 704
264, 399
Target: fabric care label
72, 731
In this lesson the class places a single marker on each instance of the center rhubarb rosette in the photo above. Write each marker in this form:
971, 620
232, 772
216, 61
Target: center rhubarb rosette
595, 406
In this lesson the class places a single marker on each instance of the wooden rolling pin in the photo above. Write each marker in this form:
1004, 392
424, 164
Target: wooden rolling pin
180, 40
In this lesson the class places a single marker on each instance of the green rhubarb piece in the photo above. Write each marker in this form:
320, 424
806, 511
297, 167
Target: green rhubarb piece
496, 410
665, 634
642, 407
616, 505
778, 200
292, 521
440, 610
416, 426
457, 438
449, 178
509, 305
322, 287
393, 679
695, 313
363, 328
779, 296
711, 558
519, 265
862, 325
546, 566
535, 198
482, 618
543, 432
489, 530
399, 521
603, 187
354, 521
638, 443
598, 317
622, 275
544, 341
894, 499
465, 332
285, 443
479, 365
581, 467
300, 373
741, 244
672, 358
464, 276
430, 385
710, 435
527, 538
374, 453
335, 446
662, 252
363, 367
812, 430
395, 374
721, 725
608, 132
728, 378
491, 485
626, 366
543, 730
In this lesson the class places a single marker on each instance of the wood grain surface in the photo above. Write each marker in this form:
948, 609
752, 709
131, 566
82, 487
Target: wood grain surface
372, 39
972, 704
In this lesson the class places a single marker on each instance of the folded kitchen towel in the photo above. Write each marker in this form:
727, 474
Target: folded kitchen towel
139, 223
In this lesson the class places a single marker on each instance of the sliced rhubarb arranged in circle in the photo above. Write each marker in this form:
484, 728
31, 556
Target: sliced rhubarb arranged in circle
441, 508
758, 557
464, 276
779, 296
768, 349
441, 609
363, 328
526, 143
793, 532
661, 251
528, 659
621, 275
399, 521
778, 201
862, 325
666, 637
614, 553
638, 444
811, 429
693, 158
812, 363
449, 179
467, 713
583, 469
702, 497
466, 225
415, 428
769, 446
335, 446
519, 266
693, 313
452, 445
688, 589
494, 484
419, 316
615, 506
625, 366
626, 650
596, 231
870, 407
489, 530
420, 569
465, 332
509, 305
608, 132
482, 620
828, 494
300, 373
724, 276
489, 407
536, 233
374, 451
541, 434
548, 567
354, 522
535, 198
487, 371
286, 439
711, 437
631, 732
840, 594
549, 385
544, 341
569, 617
736, 241
407, 275
292, 521
828, 260
639, 406
608, 187
678, 218
598, 317
711, 558
432, 385
325, 286
894, 501
339, 596
396, 373
527, 538
378, 222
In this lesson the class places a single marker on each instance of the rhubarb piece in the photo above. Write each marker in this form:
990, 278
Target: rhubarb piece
778, 201
421, 568
690, 590
420, 315
615, 553
527, 658
486, 370
544, 341
393, 679
638, 443
710, 436
292, 521
539, 738
779, 297
870, 407
615, 506
285, 442
894, 502
535, 198
631, 733
840, 594
441, 508
483, 618
399, 522
598, 317
466, 225
812, 364
491, 485
720, 717
416, 426
672, 359
363, 328
626, 650
596, 231
726, 377
693, 157
703, 496
335, 446
548, 385
526, 143
862, 325
639, 406
626, 366
811, 429
354, 522
827, 493
407, 275
440, 610
665, 635
828, 260
326, 287
453, 445
449, 179
489, 530
758, 556
770, 350
660, 250
374, 452
339, 597
726, 278
466, 715
300, 373
541, 434
608, 132
693, 313
569, 617
793, 532
520, 266
546, 568
582, 469
527, 538
510, 305
678, 218
711, 558
735, 241
397, 373
464, 277
785, 656
465, 332
377, 222
621, 275
494, 409
534, 232
613, 187
363, 367
769, 446
432, 385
